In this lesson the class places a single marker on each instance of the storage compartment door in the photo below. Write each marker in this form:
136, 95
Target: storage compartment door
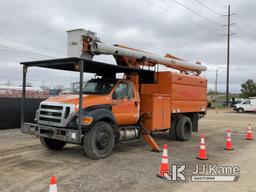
161, 112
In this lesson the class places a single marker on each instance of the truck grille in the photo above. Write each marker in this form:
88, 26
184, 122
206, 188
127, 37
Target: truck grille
55, 114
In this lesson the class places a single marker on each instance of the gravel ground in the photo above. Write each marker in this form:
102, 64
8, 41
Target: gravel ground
26, 166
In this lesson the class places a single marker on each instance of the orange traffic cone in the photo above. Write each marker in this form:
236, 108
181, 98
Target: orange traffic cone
229, 141
249, 133
164, 167
53, 184
202, 151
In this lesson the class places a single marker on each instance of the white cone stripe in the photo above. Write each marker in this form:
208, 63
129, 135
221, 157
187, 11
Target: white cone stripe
229, 139
53, 188
202, 141
165, 152
202, 146
164, 161
249, 131
229, 134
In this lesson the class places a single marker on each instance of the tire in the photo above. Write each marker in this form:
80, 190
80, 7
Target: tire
99, 141
52, 144
184, 128
172, 130
240, 110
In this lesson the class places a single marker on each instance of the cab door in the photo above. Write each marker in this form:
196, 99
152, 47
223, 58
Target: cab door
125, 106
247, 105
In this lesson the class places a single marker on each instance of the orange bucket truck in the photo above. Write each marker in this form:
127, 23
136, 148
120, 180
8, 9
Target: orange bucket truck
108, 110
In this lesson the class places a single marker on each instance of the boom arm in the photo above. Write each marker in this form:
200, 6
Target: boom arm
91, 45
102, 48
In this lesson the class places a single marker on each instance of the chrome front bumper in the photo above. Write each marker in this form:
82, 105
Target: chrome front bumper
67, 135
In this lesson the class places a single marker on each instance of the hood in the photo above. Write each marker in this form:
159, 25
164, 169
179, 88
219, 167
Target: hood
88, 100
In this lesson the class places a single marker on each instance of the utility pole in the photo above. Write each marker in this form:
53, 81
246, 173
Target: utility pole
216, 92
228, 51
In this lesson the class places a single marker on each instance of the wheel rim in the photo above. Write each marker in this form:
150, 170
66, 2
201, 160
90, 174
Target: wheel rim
102, 140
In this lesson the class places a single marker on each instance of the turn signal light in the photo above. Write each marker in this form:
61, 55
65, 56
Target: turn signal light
87, 120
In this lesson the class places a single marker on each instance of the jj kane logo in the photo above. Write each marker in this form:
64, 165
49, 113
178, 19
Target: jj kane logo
179, 172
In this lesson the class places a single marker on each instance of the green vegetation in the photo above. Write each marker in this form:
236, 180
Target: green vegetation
248, 89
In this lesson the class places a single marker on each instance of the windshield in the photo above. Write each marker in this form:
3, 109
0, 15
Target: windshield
247, 102
99, 86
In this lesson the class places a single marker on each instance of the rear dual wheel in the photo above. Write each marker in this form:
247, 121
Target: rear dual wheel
181, 129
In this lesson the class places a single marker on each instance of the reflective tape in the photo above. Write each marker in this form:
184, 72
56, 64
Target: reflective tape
165, 152
164, 161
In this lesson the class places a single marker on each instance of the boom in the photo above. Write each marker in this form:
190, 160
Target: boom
91, 45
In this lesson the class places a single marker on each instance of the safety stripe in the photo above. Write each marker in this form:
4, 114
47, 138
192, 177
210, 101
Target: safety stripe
165, 152
202, 141
228, 139
164, 161
202, 146
53, 188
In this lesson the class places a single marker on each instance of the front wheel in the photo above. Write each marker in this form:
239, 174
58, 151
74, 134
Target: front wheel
52, 143
99, 141
240, 110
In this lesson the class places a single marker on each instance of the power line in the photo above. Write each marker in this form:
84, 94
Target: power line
212, 10
246, 49
17, 49
195, 12
247, 42
240, 28
32, 45
222, 4
180, 17
173, 13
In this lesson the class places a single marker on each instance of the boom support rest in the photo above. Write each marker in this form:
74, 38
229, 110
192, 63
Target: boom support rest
149, 139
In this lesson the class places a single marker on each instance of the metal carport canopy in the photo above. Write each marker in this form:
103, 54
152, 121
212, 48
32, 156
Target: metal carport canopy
81, 65
99, 68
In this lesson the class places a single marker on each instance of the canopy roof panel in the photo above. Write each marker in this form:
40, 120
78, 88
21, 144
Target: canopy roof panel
71, 64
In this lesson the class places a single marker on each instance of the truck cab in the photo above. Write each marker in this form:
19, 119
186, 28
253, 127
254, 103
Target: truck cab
248, 105
116, 95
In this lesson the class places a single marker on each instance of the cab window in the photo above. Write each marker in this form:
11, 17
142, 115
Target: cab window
121, 91
247, 102
130, 91
98, 86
